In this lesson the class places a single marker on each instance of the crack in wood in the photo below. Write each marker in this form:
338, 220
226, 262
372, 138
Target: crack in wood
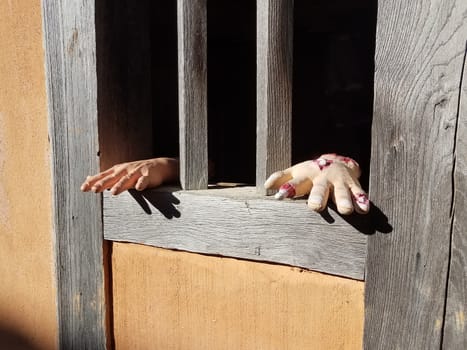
450, 325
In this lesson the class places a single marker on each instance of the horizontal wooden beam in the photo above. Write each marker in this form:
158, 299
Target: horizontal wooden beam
238, 223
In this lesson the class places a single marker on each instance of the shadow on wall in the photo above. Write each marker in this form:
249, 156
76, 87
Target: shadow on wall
13, 340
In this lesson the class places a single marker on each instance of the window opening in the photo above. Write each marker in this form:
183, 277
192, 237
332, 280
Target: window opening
164, 74
232, 90
334, 45
333, 49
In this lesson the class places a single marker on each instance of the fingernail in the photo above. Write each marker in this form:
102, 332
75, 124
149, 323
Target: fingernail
315, 199
345, 203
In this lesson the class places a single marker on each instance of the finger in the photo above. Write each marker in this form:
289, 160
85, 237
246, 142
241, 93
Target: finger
86, 186
360, 199
142, 183
125, 183
92, 179
106, 183
277, 179
342, 199
296, 187
319, 194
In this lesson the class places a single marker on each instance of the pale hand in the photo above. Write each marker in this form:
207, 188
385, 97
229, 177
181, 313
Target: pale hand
139, 175
329, 175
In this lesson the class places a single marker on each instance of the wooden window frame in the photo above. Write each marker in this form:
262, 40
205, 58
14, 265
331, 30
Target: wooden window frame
415, 281
70, 59
236, 222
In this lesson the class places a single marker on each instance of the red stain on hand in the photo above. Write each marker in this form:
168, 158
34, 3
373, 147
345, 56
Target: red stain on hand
323, 163
361, 198
289, 189
347, 160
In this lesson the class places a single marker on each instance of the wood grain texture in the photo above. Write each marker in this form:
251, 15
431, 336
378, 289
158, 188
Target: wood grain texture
274, 88
237, 223
419, 56
192, 95
71, 86
455, 323
189, 301
123, 36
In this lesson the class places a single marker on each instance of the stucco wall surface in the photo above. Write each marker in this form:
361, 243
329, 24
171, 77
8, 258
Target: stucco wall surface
175, 300
27, 290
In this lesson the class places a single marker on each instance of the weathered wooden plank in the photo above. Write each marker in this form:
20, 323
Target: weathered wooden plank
419, 55
72, 88
455, 323
124, 80
237, 223
274, 87
192, 87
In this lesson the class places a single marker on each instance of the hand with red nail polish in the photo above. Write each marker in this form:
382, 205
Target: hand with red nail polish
139, 175
329, 175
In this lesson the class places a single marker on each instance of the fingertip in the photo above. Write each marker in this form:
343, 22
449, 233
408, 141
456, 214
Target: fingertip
140, 187
319, 195
361, 203
315, 207
362, 209
315, 203
345, 206
345, 210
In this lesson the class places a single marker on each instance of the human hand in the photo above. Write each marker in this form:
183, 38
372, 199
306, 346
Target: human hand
140, 175
330, 174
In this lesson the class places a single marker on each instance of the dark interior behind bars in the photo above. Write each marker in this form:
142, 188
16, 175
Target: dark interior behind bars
332, 83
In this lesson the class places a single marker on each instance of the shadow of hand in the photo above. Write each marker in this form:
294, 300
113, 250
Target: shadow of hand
164, 202
374, 221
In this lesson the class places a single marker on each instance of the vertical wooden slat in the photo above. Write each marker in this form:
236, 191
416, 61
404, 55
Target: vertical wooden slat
419, 55
274, 87
192, 87
69, 36
455, 329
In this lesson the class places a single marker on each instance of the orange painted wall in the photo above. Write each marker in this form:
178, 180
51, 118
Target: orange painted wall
27, 290
175, 300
